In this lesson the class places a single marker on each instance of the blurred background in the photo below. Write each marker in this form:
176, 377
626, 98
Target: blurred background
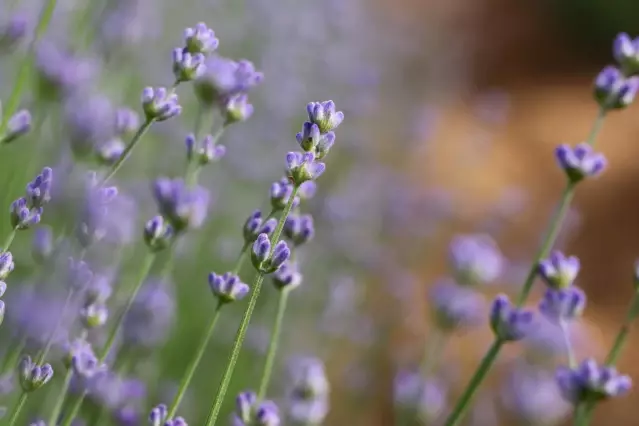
453, 109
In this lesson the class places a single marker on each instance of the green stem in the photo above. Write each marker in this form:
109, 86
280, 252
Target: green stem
11, 359
553, 230
9, 240
144, 271
246, 319
23, 70
434, 348
240, 259
128, 150
18, 408
273, 344
464, 401
186, 379
570, 353
62, 393
49, 342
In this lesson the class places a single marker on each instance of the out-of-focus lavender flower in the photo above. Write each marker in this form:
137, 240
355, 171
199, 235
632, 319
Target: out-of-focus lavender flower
428, 398
110, 151
187, 66
280, 193
60, 73
22, 217
150, 318
206, 152
39, 189
613, 90
267, 414
225, 78
94, 315
86, 369
591, 382
455, 307
237, 109
77, 348
626, 52
228, 287
6, 264
126, 122
79, 274
183, 206
33, 376
308, 412
18, 125
255, 225
159, 104
114, 391
580, 162
299, 228
178, 421
476, 259
531, 394
307, 190
508, 322
89, 121
13, 31
200, 39
244, 405
42, 244
287, 277
158, 415
308, 378
158, 234
563, 305
323, 114
3, 288
559, 271
302, 167
262, 258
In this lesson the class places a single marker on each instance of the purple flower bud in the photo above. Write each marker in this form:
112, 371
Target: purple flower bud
13, 31
159, 104
178, 421
206, 153
97, 291
110, 151
33, 376
563, 304
94, 315
18, 125
6, 264
559, 271
255, 225
78, 349
225, 78
626, 52
244, 403
126, 123
200, 39
591, 382
580, 162
267, 414
309, 380
280, 193
237, 108
456, 307
157, 234
261, 250
476, 259
299, 228
79, 274
287, 277
39, 190
324, 115
307, 190
183, 206
281, 254
309, 137
302, 167
187, 66
158, 414
42, 244
22, 217
613, 90
508, 322
325, 144
228, 287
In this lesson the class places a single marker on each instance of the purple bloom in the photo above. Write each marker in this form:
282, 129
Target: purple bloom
613, 90
591, 382
18, 125
94, 315
158, 415
150, 318
236, 109
559, 271
183, 206
207, 152
89, 121
200, 39
563, 305
287, 277
158, 234
39, 189
255, 225
61, 73
160, 104
262, 258
110, 151
455, 307
42, 244
626, 52
79, 349
228, 287
22, 217
509, 323
13, 31
33, 376
187, 66
6, 264
580, 162
309, 137
281, 192
323, 114
225, 78
299, 228
302, 167
476, 259
126, 122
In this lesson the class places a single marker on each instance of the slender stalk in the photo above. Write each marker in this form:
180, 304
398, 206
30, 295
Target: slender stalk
570, 353
23, 70
186, 379
246, 319
11, 359
553, 230
128, 150
273, 344
57, 408
49, 342
240, 259
144, 271
18, 408
9, 240
433, 351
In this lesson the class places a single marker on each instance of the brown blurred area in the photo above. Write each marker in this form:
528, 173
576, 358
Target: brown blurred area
518, 48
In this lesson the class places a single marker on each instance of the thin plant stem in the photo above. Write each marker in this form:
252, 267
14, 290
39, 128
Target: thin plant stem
62, 393
432, 352
240, 259
24, 68
18, 408
144, 272
551, 235
186, 379
246, 319
273, 344
128, 150
11, 359
570, 353
49, 342
9, 240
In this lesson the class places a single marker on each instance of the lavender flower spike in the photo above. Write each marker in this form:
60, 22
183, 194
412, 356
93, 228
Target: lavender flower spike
288, 277
559, 271
324, 115
580, 162
200, 39
613, 90
225, 78
267, 414
228, 287
159, 105
183, 206
33, 376
302, 167
18, 125
237, 108
563, 305
280, 192
508, 322
299, 228
178, 421
22, 217
626, 53
591, 382
244, 404
39, 190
